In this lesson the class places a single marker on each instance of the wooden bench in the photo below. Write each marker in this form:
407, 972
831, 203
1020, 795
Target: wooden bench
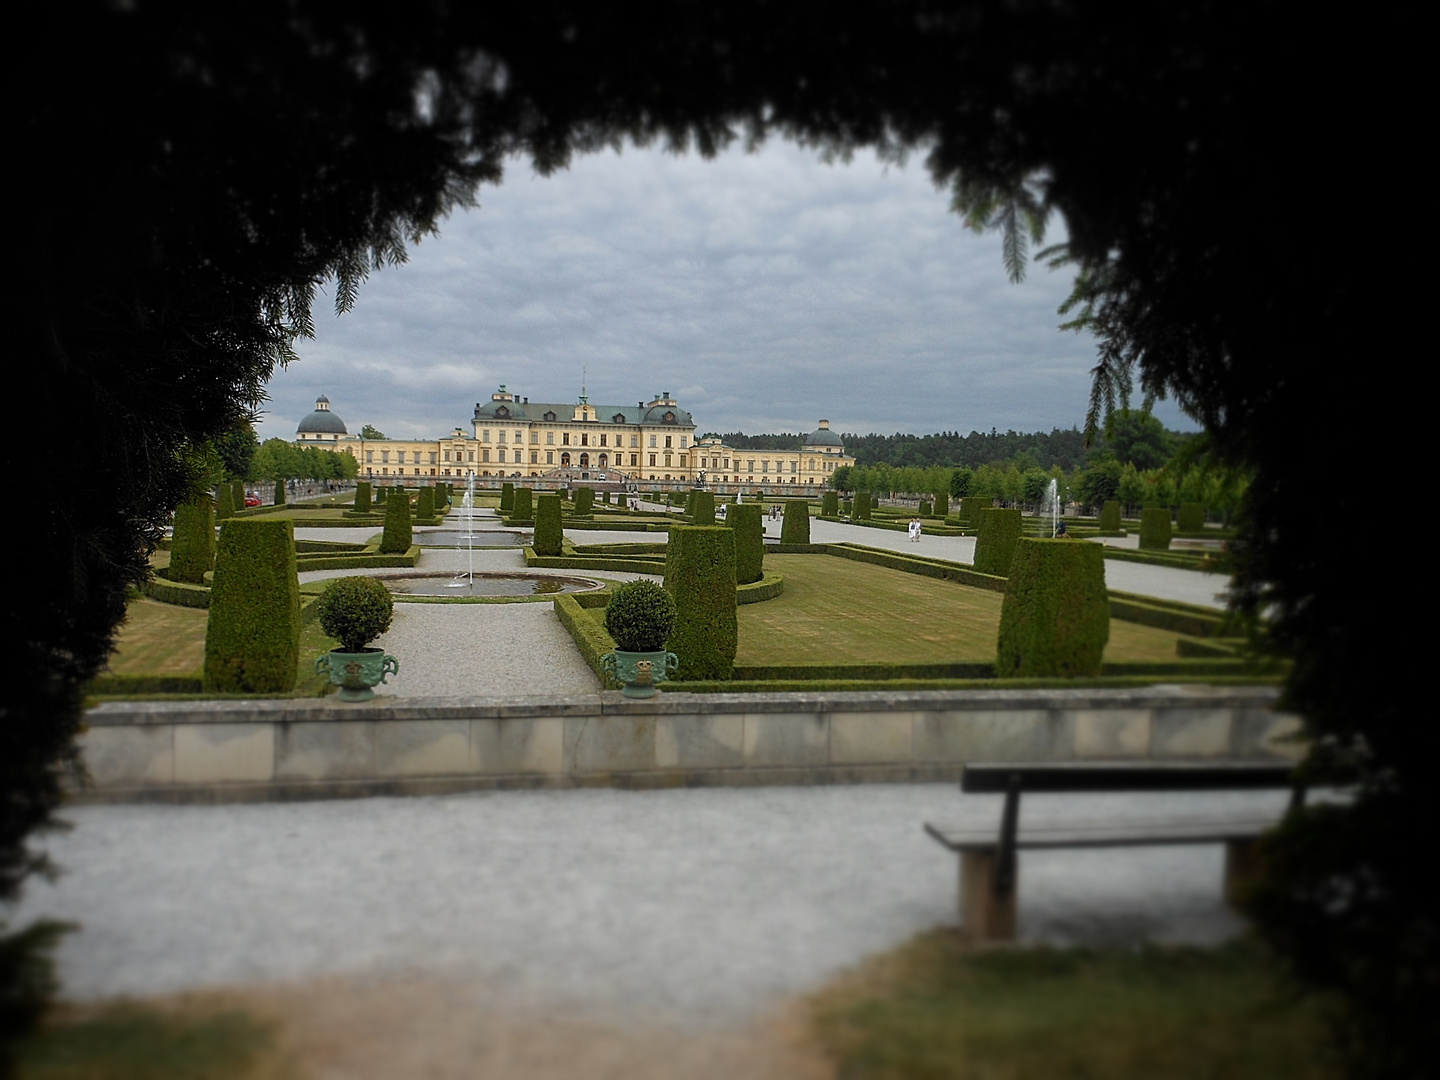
988, 883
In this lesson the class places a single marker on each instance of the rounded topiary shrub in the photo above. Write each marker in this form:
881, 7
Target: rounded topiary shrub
362, 497
425, 503
549, 532
192, 551
924, 510
942, 504
584, 500
355, 611
640, 617
702, 508
1055, 619
279, 498
523, 507
224, 503
830, 504
1155, 528
746, 520
1110, 516
795, 528
252, 637
995, 540
507, 496
862, 506
700, 575
398, 535
1190, 518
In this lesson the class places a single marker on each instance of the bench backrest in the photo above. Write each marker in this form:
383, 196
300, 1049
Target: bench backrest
997, 778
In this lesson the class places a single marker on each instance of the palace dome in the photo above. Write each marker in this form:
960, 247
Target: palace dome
322, 421
823, 436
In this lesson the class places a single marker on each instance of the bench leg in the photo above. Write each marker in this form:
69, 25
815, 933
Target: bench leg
983, 914
1243, 864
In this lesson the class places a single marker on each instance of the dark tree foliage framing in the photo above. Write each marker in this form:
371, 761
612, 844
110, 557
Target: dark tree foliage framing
191, 174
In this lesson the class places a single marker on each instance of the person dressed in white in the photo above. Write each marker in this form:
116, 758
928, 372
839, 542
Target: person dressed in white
915, 530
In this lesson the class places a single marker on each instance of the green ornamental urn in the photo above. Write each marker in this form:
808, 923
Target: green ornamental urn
640, 616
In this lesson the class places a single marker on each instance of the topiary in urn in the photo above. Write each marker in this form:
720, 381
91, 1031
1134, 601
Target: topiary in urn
640, 617
356, 611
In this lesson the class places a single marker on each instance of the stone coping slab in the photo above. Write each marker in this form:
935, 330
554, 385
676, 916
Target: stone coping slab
612, 703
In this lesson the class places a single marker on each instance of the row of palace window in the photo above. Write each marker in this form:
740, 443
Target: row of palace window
584, 437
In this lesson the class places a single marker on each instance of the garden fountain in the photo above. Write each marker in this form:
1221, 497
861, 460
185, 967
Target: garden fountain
1051, 508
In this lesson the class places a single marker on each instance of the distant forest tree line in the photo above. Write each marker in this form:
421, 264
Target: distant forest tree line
1136, 460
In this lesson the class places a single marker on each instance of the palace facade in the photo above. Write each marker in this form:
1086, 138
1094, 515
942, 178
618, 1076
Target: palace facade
646, 445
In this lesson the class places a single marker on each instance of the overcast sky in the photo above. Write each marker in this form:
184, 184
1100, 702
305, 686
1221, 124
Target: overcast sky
764, 291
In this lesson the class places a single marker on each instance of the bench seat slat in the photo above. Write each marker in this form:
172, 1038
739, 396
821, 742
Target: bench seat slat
994, 777
1072, 834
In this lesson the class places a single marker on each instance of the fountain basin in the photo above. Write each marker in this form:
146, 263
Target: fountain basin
487, 584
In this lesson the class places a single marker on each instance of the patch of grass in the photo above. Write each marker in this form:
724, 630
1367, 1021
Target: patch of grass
133, 1042
163, 639
160, 639
937, 1010
840, 611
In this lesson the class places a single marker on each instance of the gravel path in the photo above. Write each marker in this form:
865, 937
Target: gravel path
704, 906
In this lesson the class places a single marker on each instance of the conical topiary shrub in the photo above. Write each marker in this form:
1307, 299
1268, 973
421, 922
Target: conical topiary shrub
252, 637
224, 503
425, 503
702, 508
700, 575
524, 507
942, 504
398, 535
862, 506
1055, 619
381, 494
507, 497
279, 498
1190, 518
1155, 531
362, 497
746, 521
1110, 516
584, 500
549, 530
795, 528
995, 540
237, 494
192, 549
830, 504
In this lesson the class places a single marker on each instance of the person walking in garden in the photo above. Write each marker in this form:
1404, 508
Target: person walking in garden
915, 530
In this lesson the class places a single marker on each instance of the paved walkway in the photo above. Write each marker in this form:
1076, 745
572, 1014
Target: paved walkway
706, 906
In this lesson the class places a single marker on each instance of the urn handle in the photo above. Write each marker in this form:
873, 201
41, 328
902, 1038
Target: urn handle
390, 666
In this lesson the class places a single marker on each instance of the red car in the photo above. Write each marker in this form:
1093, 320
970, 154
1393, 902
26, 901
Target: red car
252, 500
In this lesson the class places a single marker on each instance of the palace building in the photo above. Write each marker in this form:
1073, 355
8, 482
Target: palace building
646, 445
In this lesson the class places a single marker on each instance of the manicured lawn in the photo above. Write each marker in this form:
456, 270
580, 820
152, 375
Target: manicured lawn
937, 1010
131, 1042
160, 639
164, 639
836, 610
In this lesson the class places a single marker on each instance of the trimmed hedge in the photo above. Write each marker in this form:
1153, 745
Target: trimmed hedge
936, 568
279, 499
355, 611
362, 497
862, 506
524, 508
507, 496
1188, 619
252, 638
924, 508
176, 592
1055, 620
847, 507
1155, 528
224, 503
942, 504
237, 494
998, 533
830, 504
702, 508
398, 534
587, 633
767, 588
640, 616
970, 507
1110, 516
605, 497
1190, 518
748, 524
381, 494
584, 500
192, 552
549, 532
700, 575
963, 669
795, 529
425, 503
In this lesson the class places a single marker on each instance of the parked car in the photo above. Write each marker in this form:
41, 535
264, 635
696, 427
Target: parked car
252, 500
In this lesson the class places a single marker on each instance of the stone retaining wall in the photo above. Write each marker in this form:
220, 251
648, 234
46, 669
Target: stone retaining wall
223, 751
